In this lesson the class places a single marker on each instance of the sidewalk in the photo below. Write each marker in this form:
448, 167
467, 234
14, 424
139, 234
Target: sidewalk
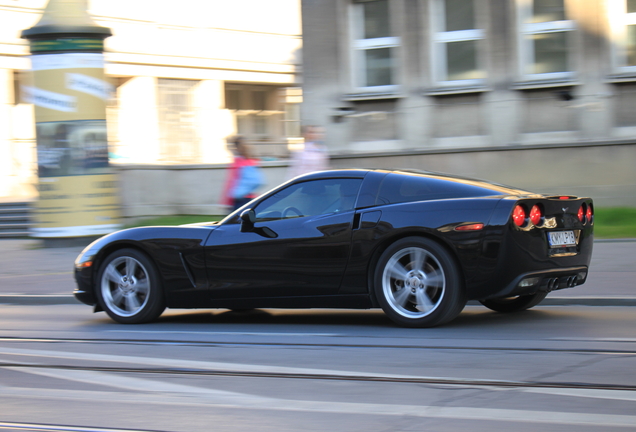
30, 274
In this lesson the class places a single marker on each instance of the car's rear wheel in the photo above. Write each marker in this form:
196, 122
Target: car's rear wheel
418, 283
514, 304
128, 287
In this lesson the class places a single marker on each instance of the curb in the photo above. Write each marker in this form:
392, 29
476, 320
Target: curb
43, 300
580, 301
589, 301
38, 300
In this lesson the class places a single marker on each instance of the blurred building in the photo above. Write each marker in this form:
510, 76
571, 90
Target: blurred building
186, 76
385, 75
488, 88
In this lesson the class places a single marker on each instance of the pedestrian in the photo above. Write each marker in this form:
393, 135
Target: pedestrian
314, 155
244, 177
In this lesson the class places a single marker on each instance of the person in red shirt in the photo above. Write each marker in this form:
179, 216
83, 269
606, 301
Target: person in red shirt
244, 177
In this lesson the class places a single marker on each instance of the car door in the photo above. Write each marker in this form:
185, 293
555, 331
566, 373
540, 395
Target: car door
312, 224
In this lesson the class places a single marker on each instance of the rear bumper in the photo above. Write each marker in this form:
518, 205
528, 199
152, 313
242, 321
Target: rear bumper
544, 280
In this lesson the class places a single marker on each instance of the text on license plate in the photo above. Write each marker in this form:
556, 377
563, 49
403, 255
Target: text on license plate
561, 238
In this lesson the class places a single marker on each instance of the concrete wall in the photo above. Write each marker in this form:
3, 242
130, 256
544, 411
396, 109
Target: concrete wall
603, 172
159, 190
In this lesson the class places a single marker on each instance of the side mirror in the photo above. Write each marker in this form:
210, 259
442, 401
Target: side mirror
248, 217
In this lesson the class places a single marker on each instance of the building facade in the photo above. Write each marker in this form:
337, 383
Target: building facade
389, 75
540, 94
184, 78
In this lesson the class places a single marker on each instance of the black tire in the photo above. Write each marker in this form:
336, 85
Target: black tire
514, 304
128, 287
434, 290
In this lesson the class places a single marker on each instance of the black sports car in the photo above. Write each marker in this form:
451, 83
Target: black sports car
416, 244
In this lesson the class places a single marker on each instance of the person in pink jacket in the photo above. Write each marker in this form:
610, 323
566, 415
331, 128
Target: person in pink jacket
243, 179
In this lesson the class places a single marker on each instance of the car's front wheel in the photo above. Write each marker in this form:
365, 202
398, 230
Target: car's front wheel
418, 283
128, 287
514, 304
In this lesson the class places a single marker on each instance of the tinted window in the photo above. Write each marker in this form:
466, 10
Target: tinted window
310, 199
398, 188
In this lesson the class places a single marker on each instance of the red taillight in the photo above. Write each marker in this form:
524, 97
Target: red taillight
581, 214
519, 216
589, 214
536, 215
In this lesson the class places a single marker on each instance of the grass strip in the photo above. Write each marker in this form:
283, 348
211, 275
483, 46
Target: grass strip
615, 222
174, 220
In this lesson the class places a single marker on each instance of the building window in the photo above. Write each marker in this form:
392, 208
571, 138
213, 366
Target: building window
292, 120
232, 99
623, 18
374, 46
253, 109
291, 98
177, 126
267, 116
546, 40
457, 40
18, 81
630, 37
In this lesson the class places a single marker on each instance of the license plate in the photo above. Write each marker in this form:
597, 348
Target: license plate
561, 239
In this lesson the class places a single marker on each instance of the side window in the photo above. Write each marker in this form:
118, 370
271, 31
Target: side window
310, 199
398, 188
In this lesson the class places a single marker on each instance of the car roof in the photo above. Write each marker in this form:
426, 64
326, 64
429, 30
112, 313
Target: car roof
362, 172
335, 173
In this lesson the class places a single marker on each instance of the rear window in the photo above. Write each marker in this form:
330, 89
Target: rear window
399, 188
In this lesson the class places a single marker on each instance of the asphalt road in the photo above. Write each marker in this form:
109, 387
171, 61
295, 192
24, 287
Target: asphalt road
556, 368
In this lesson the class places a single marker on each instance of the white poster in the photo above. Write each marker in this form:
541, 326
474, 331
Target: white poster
67, 61
89, 85
49, 99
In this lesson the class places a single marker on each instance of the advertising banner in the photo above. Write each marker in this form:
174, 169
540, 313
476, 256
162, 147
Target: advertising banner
78, 191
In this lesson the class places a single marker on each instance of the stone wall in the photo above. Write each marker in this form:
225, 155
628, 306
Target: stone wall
604, 172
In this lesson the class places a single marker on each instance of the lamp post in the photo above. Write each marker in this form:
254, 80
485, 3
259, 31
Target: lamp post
78, 195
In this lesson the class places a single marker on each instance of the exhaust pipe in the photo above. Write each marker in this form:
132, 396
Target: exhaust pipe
553, 283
